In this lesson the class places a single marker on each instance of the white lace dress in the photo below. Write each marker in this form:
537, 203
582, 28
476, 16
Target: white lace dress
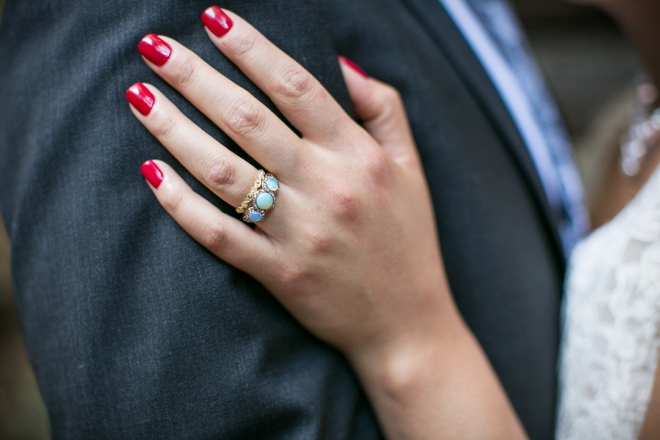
612, 322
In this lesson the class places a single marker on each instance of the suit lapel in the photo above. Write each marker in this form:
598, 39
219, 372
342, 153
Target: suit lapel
450, 40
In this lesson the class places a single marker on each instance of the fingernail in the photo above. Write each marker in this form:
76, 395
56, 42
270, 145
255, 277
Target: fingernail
153, 48
217, 21
353, 66
152, 173
141, 98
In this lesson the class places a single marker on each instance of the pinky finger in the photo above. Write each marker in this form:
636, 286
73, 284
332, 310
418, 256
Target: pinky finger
228, 238
380, 108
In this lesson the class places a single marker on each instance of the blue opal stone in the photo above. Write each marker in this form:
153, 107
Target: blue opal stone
264, 201
272, 184
255, 216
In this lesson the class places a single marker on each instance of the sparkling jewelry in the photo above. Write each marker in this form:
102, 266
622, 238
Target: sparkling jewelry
260, 199
642, 136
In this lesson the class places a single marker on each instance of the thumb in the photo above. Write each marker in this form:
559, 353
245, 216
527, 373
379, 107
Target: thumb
380, 108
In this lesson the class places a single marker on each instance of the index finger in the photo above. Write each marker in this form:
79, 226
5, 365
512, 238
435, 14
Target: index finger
299, 96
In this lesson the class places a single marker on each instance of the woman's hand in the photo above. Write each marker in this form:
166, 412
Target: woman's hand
350, 247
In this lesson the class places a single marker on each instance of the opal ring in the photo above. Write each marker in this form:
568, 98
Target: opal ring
260, 199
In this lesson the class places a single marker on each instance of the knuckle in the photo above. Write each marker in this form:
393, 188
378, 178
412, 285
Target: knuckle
244, 118
242, 47
344, 205
173, 203
290, 275
163, 125
295, 83
294, 276
386, 100
221, 173
376, 165
320, 243
185, 73
391, 95
215, 236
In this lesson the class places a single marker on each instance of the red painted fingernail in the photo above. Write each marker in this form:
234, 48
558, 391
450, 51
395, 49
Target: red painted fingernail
353, 66
217, 21
141, 98
152, 173
153, 48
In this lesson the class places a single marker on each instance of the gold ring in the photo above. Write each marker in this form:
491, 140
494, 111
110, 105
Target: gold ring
260, 199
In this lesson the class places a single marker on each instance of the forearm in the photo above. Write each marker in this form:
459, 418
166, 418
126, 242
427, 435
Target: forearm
439, 386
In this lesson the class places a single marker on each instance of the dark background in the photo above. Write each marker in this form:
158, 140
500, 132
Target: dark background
587, 63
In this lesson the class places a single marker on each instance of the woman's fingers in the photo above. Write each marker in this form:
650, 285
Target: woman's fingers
239, 114
228, 238
298, 95
380, 108
227, 175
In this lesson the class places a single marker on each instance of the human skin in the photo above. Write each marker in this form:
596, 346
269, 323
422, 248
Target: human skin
639, 19
350, 248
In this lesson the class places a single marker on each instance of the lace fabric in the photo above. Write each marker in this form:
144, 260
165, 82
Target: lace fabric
612, 325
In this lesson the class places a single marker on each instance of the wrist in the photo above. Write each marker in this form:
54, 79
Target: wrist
396, 366
428, 384
413, 383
